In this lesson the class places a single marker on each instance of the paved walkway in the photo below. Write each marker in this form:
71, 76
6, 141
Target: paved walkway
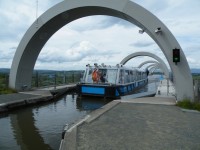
10, 101
166, 89
136, 125
6, 98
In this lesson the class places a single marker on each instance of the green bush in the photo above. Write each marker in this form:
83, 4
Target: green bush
7, 91
187, 104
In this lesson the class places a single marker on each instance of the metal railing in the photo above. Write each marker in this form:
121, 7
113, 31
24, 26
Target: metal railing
49, 79
197, 89
46, 79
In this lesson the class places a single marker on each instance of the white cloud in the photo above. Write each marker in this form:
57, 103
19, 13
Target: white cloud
99, 38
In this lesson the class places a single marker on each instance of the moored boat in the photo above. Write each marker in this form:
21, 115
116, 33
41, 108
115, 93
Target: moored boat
111, 81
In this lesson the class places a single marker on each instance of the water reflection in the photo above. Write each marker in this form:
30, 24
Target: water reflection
89, 103
7, 139
26, 133
38, 127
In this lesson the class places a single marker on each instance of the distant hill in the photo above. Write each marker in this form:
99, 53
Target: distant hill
195, 71
6, 70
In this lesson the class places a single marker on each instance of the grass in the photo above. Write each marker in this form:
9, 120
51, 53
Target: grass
187, 104
7, 91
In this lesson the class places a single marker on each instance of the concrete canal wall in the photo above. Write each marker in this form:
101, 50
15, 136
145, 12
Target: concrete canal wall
12, 101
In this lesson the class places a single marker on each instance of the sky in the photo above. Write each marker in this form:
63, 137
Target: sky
98, 39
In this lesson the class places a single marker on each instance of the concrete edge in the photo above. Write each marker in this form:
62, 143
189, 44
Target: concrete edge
70, 138
97, 113
190, 110
152, 103
4, 107
152, 100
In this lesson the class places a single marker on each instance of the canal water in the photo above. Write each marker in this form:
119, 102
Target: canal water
40, 127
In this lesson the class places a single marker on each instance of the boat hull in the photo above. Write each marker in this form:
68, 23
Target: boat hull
109, 91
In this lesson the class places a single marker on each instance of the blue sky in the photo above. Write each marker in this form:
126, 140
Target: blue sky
100, 39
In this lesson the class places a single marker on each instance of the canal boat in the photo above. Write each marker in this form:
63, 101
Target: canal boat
111, 81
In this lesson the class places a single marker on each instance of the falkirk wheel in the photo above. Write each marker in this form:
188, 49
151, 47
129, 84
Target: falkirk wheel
147, 62
67, 11
179, 83
162, 66
136, 54
153, 67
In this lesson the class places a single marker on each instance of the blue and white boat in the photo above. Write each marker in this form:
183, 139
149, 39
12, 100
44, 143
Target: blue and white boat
111, 81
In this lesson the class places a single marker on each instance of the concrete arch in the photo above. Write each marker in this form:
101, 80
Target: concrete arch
152, 65
153, 68
161, 66
66, 11
180, 86
136, 54
147, 62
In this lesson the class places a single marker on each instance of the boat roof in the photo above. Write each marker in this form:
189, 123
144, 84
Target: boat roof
114, 67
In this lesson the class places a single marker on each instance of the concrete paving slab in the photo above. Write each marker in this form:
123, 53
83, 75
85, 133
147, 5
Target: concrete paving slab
135, 125
166, 89
6, 98
152, 100
38, 92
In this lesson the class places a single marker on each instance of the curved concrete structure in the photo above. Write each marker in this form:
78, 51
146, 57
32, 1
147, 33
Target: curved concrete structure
147, 62
180, 73
66, 11
136, 54
152, 65
161, 66
153, 68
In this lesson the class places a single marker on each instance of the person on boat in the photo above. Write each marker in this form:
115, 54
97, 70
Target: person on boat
147, 72
103, 78
121, 77
95, 76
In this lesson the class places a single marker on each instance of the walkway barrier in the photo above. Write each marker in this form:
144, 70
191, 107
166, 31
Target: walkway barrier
197, 90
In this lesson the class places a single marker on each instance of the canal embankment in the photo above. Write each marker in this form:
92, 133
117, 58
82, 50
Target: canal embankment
40, 95
16, 100
139, 123
144, 123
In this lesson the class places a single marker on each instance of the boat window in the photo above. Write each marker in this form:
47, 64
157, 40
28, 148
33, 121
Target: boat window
137, 75
126, 76
112, 75
121, 76
131, 76
103, 75
83, 79
134, 75
89, 75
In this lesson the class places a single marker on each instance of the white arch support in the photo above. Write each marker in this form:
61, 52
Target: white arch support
66, 11
147, 62
152, 65
136, 54
153, 68
163, 67
178, 82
